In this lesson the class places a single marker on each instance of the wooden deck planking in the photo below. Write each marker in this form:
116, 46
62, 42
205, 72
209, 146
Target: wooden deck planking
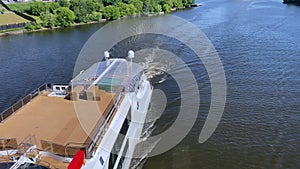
55, 119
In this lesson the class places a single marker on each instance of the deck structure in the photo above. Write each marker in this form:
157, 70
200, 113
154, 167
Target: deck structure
54, 123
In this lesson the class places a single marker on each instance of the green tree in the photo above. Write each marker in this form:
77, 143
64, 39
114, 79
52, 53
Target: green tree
156, 7
146, 6
95, 16
29, 27
81, 15
64, 17
89, 5
167, 8
33, 26
137, 4
48, 19
132, 9
64, 3
98, 5
52, 6
86, 10
178, 4
188, 3
168, 2
38, 26
110, 2
74, 4
126, 9
111, 12
36, 8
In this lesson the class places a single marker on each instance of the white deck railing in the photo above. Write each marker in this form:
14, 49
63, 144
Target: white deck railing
15, 107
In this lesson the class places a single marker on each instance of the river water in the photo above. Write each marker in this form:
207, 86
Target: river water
259, 45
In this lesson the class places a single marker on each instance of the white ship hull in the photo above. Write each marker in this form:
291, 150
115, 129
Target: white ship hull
132, 137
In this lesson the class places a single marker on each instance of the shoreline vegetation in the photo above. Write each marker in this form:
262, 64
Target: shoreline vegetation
66, 13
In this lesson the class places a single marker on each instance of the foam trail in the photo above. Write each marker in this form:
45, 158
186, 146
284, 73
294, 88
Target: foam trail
155, 67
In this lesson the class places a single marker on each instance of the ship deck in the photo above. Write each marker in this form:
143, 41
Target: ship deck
57, 123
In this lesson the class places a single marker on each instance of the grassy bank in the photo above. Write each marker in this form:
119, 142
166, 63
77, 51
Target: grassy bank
11, 18
11, 31
20, 7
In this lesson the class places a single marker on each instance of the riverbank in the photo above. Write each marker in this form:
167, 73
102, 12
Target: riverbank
12, 32
65, 13
23, 30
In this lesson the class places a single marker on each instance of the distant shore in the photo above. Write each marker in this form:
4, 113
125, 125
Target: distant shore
18, 31
22, 31
53, 15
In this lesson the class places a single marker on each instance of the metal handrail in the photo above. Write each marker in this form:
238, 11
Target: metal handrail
8, 155
101, 129
7, 146
15, 107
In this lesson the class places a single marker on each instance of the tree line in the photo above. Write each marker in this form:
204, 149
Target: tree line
67, 12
